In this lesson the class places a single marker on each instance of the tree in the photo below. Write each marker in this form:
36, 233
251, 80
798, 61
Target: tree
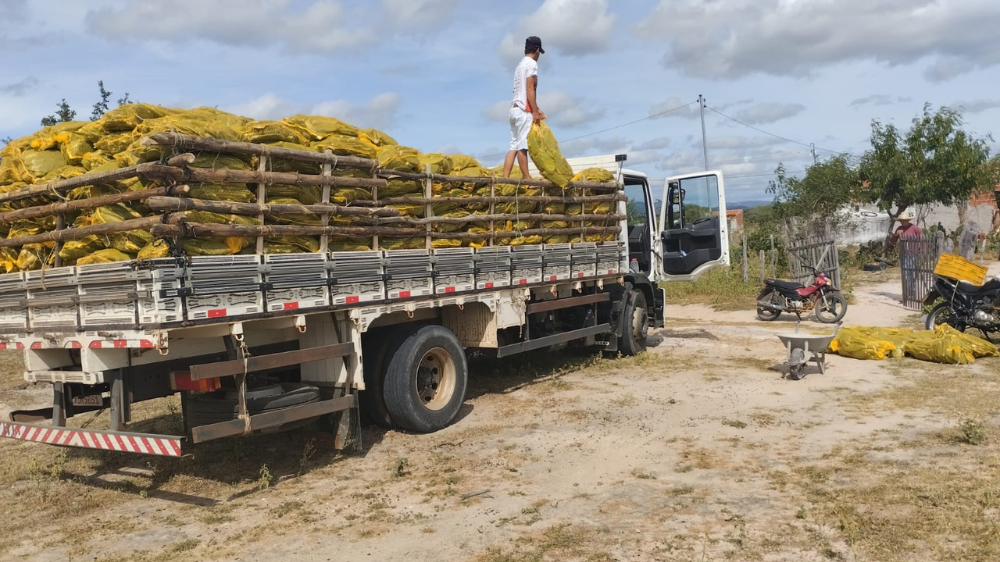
826, 189
63, 115
935, 162
124, 100
101, 107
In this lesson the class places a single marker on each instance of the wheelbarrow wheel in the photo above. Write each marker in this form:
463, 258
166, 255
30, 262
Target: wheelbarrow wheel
796, 364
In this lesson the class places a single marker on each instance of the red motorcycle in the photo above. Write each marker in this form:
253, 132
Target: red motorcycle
822, 298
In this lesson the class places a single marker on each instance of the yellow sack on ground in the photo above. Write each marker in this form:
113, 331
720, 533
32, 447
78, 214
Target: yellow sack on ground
851, 342
544, 152
947, 349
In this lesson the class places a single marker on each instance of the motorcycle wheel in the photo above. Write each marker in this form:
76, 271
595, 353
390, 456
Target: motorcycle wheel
943, 313
831, 308
768, 315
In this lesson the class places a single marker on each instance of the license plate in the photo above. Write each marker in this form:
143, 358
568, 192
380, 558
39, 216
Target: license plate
92, 400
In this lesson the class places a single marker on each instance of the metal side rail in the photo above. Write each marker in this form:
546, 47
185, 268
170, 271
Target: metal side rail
142, 443
555, 339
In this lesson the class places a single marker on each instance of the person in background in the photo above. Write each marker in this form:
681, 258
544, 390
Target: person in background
906, 228
907, 259
524, 107
940, 228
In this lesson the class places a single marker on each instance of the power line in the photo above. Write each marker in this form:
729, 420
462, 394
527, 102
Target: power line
786, 139
609, 129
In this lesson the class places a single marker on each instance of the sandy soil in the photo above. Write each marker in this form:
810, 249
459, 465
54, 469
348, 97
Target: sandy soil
679, 455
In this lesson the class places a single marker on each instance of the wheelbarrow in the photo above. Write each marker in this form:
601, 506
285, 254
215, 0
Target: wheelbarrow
804, 349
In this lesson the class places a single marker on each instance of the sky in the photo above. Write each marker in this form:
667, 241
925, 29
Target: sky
778, 76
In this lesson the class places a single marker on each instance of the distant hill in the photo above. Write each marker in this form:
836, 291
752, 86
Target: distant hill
746, 204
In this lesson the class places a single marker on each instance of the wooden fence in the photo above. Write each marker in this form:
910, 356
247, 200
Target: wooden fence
817, 252
917, 259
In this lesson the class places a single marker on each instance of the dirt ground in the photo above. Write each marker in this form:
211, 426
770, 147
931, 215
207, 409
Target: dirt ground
697, 450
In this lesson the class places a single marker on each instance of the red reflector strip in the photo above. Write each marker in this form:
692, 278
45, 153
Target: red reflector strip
146, 344
552, 278
36, 345
449, 289
291, 306
75, 345
522, 281
181, 380
19, 345
579, 274
217, 313
121, 343
488, 286
404, 294
611, 272
128, 443
3, 346
353, 300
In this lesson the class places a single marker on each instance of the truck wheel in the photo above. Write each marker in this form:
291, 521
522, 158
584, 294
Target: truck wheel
377, 349
636, 324
425, 380
223, 405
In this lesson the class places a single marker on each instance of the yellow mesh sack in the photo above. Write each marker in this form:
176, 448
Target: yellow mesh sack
343, 145
544, 152
439, 163
399, 158
272, 131
376, 138
128, 117
316, 127
109, 255
595, 175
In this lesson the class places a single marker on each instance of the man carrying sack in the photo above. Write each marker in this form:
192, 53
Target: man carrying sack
523, 108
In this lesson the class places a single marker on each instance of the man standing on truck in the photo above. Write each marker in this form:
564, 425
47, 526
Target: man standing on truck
523, 108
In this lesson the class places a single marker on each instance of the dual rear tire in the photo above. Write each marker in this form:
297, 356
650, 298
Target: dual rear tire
415, 378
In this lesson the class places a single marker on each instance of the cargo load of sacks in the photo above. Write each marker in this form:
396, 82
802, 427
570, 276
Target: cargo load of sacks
71, 149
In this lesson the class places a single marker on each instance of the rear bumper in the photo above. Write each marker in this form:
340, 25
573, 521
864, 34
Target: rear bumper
146, 444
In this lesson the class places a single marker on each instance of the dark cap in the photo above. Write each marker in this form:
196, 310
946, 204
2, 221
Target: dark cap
532, 43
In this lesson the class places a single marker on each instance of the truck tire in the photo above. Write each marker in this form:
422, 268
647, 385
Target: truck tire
635, 328
378, 348
223, 405
425, 379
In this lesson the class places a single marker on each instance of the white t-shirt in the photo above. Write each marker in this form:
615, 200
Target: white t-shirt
527, 68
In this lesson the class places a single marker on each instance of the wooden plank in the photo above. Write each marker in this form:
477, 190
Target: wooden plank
217, 145
90, 203
272, 361
392, 174
177, 225
556, 304
175, 204
203, 433
145, 223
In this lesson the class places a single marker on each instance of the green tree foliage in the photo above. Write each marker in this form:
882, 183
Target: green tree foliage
826, 188
936, 161
101, 107
62, 115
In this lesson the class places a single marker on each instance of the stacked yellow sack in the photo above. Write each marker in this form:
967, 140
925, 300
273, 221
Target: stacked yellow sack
944, 344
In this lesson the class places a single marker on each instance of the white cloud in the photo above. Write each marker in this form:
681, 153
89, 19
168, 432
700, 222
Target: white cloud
381, 111
20, 88
879, 100
14, 10
267, 106
735, 38
562, 110
674, 107
418, 13
571, 27
654, 144
764, 113
946, 68
243, 23
976, 106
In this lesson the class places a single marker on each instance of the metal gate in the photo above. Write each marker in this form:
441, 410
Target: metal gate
818, 252
917, 258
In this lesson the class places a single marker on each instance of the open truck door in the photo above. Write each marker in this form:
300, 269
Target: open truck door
694, 230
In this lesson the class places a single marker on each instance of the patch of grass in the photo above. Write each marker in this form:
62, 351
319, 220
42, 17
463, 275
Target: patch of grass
560, 542
973, 431
722, 288
734, 423
642, 474
400, 467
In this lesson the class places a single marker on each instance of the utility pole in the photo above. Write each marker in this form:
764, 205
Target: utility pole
812, 148
704, 141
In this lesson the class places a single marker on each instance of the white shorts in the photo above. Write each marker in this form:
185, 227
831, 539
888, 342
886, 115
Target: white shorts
520, 124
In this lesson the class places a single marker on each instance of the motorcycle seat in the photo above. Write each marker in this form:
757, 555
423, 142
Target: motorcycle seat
991, 286
786, 285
